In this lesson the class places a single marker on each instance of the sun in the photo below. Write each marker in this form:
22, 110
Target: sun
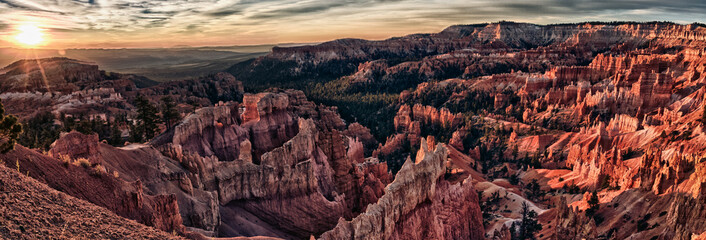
29, 35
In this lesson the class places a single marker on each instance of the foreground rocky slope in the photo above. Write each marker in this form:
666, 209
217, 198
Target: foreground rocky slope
85, 177
32, 210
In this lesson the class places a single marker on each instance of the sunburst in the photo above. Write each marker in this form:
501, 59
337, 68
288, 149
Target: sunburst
29, 35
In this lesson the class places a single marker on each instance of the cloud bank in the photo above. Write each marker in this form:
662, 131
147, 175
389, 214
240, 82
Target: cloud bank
135, 23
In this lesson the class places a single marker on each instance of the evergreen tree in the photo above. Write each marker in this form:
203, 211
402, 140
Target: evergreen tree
529, 225
136, 133
170, 115
533, 190
116, 137
67, 122
10, 130
147, 118
513, 231
535, 160
40, 131
514, 179
194, 105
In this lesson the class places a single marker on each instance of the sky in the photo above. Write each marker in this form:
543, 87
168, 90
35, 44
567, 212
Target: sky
168, 23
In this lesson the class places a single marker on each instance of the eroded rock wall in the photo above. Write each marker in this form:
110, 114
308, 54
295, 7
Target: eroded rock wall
418, 204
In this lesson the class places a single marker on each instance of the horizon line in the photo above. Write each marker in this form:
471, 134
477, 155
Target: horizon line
187, 46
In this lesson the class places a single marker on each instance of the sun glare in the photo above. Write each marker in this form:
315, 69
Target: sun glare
29, 35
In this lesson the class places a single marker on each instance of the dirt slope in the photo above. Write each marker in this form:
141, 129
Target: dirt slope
32, 210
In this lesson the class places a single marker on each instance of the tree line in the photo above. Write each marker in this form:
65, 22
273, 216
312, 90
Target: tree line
44, 128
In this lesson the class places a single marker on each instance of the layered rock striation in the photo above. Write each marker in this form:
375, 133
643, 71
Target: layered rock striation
296, 174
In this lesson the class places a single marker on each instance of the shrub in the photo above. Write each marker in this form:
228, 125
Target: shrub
598, 219
98, 170
572, 189
514, 180
642, 224
82, 162
65, 159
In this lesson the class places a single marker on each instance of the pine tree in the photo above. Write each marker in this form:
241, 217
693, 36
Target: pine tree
116, 137
170, 115
135, 133
529, 225
513, 231
10, 130
194, 105
147, 117
39, 131
533, 190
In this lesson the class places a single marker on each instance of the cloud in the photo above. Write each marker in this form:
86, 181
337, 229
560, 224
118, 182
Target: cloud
249, 21
26, 5
223, 12
301, 9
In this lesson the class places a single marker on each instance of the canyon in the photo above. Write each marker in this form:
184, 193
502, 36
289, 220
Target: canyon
593, 130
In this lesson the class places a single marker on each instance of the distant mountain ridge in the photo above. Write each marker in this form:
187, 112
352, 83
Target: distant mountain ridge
341, 57
60, 74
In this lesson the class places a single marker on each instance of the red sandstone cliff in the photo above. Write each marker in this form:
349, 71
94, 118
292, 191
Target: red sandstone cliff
296, 175
418, 204
626, 122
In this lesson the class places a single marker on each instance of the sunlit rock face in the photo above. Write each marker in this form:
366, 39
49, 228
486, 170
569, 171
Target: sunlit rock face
418, 204
298, 175
276, 165
619, 105
615, 108
464, 51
